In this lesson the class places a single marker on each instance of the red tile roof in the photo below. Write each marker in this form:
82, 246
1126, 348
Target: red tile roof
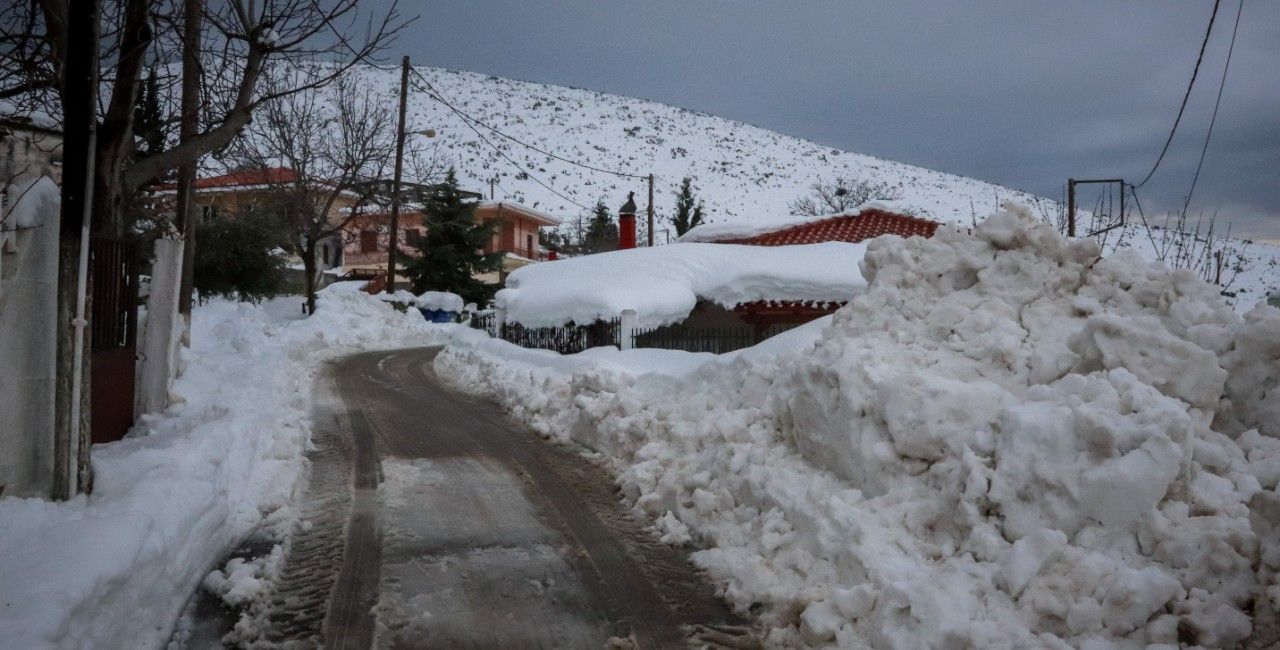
242, 178
869, 223
268, 176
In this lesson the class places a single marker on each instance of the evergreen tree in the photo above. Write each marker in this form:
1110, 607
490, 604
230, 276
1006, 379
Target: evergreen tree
688, 210
240, 257
450, 253
148, 122
602, 231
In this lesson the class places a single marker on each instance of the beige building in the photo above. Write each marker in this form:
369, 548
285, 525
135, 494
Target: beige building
516, 234
29, 150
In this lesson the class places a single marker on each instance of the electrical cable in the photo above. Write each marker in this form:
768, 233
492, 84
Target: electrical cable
1194, 72
502, 153
432, 90
1218, 102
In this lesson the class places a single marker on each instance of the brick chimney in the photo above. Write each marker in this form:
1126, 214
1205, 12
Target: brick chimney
627, 223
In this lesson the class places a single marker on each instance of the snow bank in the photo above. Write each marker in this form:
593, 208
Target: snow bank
1004, 442
113, 569
710, 232
440, 300
664, 283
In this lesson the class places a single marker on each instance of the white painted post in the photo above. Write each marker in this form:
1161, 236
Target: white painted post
163, 330
499, 319
627, 329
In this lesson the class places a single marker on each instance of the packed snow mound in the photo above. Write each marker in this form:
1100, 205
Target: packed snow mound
664, 283
1006, 441
113, 569
440, 300
1060, 406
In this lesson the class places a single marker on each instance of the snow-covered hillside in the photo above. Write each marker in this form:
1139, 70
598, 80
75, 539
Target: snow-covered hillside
742, 172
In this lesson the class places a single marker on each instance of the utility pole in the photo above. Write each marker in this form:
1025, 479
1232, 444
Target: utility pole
395, 183
491, 182
650, 210
1071, 207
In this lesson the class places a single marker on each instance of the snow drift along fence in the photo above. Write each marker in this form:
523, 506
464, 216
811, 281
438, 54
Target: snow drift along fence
567, 339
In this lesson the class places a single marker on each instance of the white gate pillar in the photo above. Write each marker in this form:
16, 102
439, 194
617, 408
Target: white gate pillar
164, 329
627, 329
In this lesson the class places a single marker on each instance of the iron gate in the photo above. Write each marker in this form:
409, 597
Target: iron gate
113, 267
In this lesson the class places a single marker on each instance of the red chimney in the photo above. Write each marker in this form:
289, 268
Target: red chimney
627, 223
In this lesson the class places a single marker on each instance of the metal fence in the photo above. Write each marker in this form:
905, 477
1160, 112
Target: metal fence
567, 339
485, 323
715, 339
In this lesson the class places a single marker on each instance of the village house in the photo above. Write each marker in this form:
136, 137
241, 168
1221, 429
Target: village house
776, 314
719, 287
238, 191
516, 234
29, 149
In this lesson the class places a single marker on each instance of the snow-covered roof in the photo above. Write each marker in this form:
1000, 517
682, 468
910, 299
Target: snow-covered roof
740, 230
536, 215
664, 283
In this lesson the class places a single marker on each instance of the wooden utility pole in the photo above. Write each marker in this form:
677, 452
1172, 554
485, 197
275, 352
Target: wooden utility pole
395, 182
79, 144
491, 182
650, 209
188, 127
1071, 207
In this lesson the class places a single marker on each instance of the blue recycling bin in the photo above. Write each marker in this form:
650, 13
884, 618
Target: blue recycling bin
438, 315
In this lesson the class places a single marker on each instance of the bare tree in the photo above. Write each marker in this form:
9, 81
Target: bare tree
242, 38
335, 143
840, 195
1201, 249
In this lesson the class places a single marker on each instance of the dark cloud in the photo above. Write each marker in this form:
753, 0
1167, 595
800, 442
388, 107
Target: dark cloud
1023, 94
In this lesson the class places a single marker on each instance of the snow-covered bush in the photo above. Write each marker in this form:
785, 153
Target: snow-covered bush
1006, 441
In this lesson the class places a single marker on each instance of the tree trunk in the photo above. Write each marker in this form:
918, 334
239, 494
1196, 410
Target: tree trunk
187, 129
309, 269
71, 461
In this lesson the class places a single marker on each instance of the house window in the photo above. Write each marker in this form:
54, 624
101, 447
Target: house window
368, 241
208, 213
528, 245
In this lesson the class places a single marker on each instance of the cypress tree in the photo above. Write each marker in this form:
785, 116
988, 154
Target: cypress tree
602, 230
688, 210
148, 123
450, 254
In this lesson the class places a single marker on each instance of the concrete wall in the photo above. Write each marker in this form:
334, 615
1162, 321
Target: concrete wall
28, 302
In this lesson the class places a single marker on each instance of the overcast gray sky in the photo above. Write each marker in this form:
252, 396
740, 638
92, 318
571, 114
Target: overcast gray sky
1019, 93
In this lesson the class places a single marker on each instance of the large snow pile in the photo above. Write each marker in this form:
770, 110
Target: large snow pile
113, 569
664, 283
1004, 442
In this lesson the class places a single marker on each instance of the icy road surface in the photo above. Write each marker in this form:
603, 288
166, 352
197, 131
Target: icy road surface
466, 530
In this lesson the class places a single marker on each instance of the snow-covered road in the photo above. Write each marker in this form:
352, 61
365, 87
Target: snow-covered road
482, 534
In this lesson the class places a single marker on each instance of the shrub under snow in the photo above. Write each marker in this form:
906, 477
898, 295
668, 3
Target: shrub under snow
1005, 442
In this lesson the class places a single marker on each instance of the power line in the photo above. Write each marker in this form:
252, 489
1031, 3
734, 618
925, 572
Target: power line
1195, 71
432, 90
1217, 102
502, 153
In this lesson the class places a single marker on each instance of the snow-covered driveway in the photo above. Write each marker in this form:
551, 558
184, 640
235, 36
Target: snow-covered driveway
479, 533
